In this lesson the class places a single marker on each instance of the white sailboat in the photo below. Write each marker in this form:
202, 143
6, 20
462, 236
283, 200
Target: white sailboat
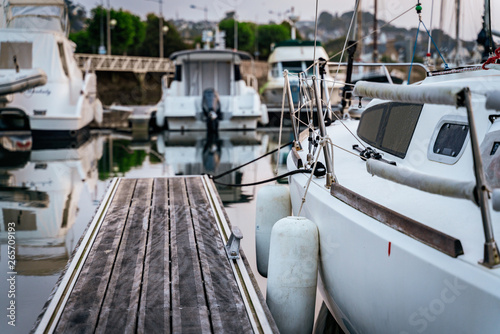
408, 212
34, 42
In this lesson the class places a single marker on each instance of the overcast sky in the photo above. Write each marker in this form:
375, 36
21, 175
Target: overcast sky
262, 11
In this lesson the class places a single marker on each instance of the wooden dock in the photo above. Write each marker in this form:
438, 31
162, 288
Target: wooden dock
153, 261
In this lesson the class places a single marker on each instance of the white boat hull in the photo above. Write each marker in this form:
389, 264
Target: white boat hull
375, 279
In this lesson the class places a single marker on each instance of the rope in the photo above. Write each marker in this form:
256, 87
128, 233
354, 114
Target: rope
293, 172
439, 52
248, 163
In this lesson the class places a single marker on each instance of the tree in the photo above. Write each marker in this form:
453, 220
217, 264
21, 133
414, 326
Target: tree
269, 34
246, 35
172, 40
124, 35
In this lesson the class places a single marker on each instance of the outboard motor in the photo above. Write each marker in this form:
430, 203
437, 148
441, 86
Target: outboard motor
211, 109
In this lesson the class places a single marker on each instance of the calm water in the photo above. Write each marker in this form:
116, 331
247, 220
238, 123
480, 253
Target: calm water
49, 195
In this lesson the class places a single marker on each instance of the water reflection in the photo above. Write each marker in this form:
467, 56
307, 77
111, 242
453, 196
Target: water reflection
51, 193
42, 192
191, 153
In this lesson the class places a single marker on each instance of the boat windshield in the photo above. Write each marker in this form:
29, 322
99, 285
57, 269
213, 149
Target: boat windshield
36, 17
292, 66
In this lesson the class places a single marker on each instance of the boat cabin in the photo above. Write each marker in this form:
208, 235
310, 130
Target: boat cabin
37, 14
197, 70
294, 56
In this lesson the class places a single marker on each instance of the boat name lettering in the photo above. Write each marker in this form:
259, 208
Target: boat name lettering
40, 91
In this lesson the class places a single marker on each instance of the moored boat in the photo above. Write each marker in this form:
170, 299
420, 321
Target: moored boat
34, 41
400, 211
209, 92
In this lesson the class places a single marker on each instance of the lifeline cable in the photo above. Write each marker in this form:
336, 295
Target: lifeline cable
215, 177
297, 171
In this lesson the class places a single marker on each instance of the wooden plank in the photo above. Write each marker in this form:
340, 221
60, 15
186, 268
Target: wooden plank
119, 310
155, 304
189, 307
227, 309
83, 306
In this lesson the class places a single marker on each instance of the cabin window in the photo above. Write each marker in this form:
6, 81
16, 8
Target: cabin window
390, 126
22, 51
62, 55
292, 66
309, 67
450, 139
275, 70
178, 73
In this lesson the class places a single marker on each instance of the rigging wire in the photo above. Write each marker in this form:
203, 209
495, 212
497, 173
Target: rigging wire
214, 177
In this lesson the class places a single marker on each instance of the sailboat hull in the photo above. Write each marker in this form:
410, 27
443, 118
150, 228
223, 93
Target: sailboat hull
375, 279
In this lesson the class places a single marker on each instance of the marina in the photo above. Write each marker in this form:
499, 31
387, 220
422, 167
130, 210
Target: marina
327, 176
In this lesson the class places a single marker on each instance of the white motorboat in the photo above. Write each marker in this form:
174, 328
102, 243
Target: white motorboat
34, 44
400, 212
296, 57
208, 91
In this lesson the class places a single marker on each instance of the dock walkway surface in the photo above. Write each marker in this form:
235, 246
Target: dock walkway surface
153, 260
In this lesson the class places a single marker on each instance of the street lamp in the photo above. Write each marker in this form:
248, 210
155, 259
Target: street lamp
160, 31
165, 30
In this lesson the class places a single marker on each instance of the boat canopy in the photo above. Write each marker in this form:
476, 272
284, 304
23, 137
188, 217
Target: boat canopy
36, 14
197, 55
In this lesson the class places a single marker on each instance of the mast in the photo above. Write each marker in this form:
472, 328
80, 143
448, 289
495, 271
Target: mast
351, 49
457, 32
487, 25
375, 37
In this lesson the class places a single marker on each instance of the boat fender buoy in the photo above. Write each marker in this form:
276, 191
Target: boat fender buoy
273, 203
160, 114
98, 112
496, 200
292, 274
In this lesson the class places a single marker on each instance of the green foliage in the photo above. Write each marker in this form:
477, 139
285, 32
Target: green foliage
172, 40
81, 39
124, 159
246, 34
269, 34
129, 30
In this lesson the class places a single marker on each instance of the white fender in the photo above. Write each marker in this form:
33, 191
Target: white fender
160, 114
264, 118
273, 203
293, 273
98, 116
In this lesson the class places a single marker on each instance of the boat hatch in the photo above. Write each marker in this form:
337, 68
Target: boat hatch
22, 52
448, 140
390, 126
201, 75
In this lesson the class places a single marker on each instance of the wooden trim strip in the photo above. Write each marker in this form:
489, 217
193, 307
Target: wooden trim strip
418, 231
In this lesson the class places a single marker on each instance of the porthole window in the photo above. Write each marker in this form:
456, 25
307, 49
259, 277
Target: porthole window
449, 139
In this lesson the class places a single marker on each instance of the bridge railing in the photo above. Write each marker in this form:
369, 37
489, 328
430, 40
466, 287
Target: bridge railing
124, 63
